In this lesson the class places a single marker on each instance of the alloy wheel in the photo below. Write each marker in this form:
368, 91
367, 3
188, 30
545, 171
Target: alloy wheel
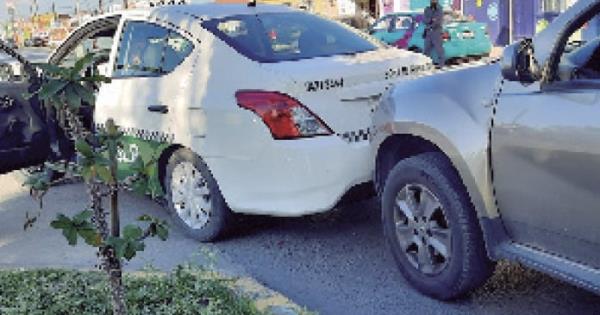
422, 229
190, 195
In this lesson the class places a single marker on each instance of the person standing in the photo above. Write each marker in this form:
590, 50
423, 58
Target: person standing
434, 19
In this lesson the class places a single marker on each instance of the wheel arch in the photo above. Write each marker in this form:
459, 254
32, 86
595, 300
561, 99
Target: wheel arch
399, 146
163, 160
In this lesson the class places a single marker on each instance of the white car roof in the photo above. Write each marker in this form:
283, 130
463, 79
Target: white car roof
205, 11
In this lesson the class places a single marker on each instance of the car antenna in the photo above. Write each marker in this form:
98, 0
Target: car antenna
251, 3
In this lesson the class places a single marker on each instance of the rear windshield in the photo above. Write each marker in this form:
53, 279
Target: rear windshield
275, 37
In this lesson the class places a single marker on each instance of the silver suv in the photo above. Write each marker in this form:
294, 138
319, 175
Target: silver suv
500, 161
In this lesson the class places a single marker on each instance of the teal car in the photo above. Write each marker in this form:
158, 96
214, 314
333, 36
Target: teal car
462, 38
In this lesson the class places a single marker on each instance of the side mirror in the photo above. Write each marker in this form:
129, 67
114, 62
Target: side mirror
518, 63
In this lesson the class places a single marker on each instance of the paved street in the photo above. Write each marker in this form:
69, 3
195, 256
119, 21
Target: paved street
333, 264
35, 54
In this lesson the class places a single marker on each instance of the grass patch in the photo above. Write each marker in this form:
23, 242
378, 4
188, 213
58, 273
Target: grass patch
184, 291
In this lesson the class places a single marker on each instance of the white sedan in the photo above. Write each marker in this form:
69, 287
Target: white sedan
256, 110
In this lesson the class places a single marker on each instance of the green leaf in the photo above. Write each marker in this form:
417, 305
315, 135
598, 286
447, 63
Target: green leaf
162, 232
140, 186
132, 232
80, 64
118, 244
97, 79
82, 217
61, 222
70, 234
90, 236
101, 160
72, 97
28, 96
145, 218
86, 173
84, 148
86, 95
51, 88
104, 174
131, 249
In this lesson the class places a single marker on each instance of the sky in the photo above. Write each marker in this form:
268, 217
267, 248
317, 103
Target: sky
62, 6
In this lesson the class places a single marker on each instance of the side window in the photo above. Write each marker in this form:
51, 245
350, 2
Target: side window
403, 23
383, 24
580, 57
99, 46
149, 50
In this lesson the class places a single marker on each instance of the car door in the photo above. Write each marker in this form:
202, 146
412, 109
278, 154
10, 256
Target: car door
24, 137
546, 163
151, 83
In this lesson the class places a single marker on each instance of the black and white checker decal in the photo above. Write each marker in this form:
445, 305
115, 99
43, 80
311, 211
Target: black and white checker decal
356, 135
145, 135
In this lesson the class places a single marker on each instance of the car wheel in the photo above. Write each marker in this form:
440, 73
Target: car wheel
194, 198
432, 228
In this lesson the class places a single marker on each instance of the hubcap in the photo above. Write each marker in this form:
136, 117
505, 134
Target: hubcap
422, 229
190, 195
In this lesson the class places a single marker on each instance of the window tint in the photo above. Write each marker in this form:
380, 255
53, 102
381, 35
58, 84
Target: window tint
274, 37
150, 50
99, 46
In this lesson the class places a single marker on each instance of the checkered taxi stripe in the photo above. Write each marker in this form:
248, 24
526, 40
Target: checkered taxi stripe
356, 135
143, 134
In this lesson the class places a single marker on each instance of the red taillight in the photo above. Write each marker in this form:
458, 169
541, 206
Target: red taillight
284, 116
446, 36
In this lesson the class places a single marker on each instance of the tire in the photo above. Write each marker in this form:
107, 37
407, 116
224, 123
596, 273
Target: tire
446, 219
210, 217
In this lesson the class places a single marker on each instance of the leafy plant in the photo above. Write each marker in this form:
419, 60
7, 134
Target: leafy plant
187, 290
65, 91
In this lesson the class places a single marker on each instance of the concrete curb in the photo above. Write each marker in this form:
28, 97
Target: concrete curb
265, 299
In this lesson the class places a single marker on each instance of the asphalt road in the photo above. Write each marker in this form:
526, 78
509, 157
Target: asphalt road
34, 54
333, 264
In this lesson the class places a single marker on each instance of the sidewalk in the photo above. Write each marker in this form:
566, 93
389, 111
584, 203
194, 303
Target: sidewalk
45, 247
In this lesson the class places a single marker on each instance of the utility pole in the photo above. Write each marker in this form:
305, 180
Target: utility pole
100, 7
510, 22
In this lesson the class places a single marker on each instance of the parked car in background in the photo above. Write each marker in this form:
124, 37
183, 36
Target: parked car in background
40, 39
462, 38
256, 110
500, 161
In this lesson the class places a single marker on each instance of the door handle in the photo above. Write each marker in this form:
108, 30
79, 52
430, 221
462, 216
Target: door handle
163, 109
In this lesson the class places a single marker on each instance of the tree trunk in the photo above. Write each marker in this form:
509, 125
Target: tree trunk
110, 263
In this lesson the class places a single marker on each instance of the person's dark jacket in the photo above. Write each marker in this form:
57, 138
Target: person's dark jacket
434, 19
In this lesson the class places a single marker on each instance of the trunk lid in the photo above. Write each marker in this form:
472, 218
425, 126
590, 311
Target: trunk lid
344, 90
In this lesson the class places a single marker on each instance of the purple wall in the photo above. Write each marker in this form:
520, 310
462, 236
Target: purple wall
525, 16
494, 13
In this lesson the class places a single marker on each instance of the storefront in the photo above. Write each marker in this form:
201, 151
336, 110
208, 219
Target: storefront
511, 20
390, 6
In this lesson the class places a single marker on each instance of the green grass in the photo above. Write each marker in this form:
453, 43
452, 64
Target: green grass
184, 291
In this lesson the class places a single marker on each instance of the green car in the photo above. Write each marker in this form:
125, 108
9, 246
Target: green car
462, 38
